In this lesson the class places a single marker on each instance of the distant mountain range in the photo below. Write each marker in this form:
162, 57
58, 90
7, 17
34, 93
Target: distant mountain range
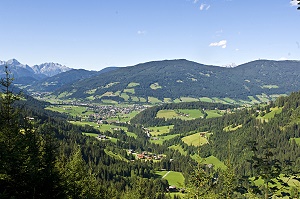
166, 81
24, 74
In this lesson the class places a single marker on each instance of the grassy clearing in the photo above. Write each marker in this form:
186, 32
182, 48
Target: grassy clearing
177, 100
184, 114
153, 100
71, 110
111, 84
168, 114
174, 178
195, 139
168, 100
192, 113
163, 138
92, 91
90, 134
135, 99
132, 84
229, 100
155, 86
206, 99
297, 140
129, 90
269, 86
160, 130
213, 113
215, 161
109, 102
189, 99
217, 100
231, 128
125, 96
143, 100
271, 114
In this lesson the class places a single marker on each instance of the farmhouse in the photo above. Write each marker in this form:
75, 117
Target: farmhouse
101, 137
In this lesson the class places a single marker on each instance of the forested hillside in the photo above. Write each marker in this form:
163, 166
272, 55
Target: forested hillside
237, 152
174, 79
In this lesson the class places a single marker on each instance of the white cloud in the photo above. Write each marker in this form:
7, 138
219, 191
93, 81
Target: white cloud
294, 3
141, 32
204, 6
196, 1
222, 44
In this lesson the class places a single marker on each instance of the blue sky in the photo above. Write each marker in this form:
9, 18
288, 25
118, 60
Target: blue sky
94, 34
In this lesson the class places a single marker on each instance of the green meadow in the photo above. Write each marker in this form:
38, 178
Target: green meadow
160, 139
174, 178
195, 140
160, 130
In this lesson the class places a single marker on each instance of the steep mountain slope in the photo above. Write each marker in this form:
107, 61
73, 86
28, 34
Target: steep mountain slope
22, 73
50, 69
25, 74
182, 78
60, 80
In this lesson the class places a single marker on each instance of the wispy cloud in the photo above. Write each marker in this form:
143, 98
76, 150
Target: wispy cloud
141, 32
294, 3
222, 44
204, 6
196, 1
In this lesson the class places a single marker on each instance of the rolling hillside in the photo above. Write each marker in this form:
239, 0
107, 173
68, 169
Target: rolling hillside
175, 79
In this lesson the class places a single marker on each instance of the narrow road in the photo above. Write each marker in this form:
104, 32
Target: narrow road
166, 174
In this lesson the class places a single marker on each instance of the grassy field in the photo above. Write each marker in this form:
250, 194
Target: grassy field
90, 134
168, 114
132, 84
163, 138
193, 113
297, 140
213, 113
184, 114
271, 114
189, 99
215, 161
195, 140
153, 100
155, 86
173, 178
160, 130
70, 110
129, 90
206, 99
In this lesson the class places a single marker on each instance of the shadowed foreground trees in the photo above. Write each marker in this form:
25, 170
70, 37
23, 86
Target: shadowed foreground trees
27, 157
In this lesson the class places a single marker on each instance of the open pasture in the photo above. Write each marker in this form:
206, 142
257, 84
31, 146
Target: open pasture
70, 110
160, 139
183, 114
195, 139
160, 130
213, 113
174, 178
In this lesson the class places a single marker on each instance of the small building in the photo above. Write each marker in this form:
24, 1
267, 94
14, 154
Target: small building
102, 137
